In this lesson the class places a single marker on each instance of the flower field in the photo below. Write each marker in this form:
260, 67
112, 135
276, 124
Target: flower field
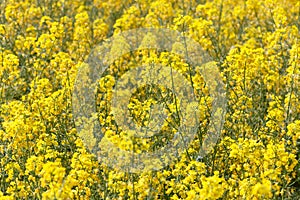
255, 46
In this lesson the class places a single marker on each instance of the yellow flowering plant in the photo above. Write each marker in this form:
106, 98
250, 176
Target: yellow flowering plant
45, 47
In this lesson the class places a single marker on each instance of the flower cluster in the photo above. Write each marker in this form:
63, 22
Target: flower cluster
256, 47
